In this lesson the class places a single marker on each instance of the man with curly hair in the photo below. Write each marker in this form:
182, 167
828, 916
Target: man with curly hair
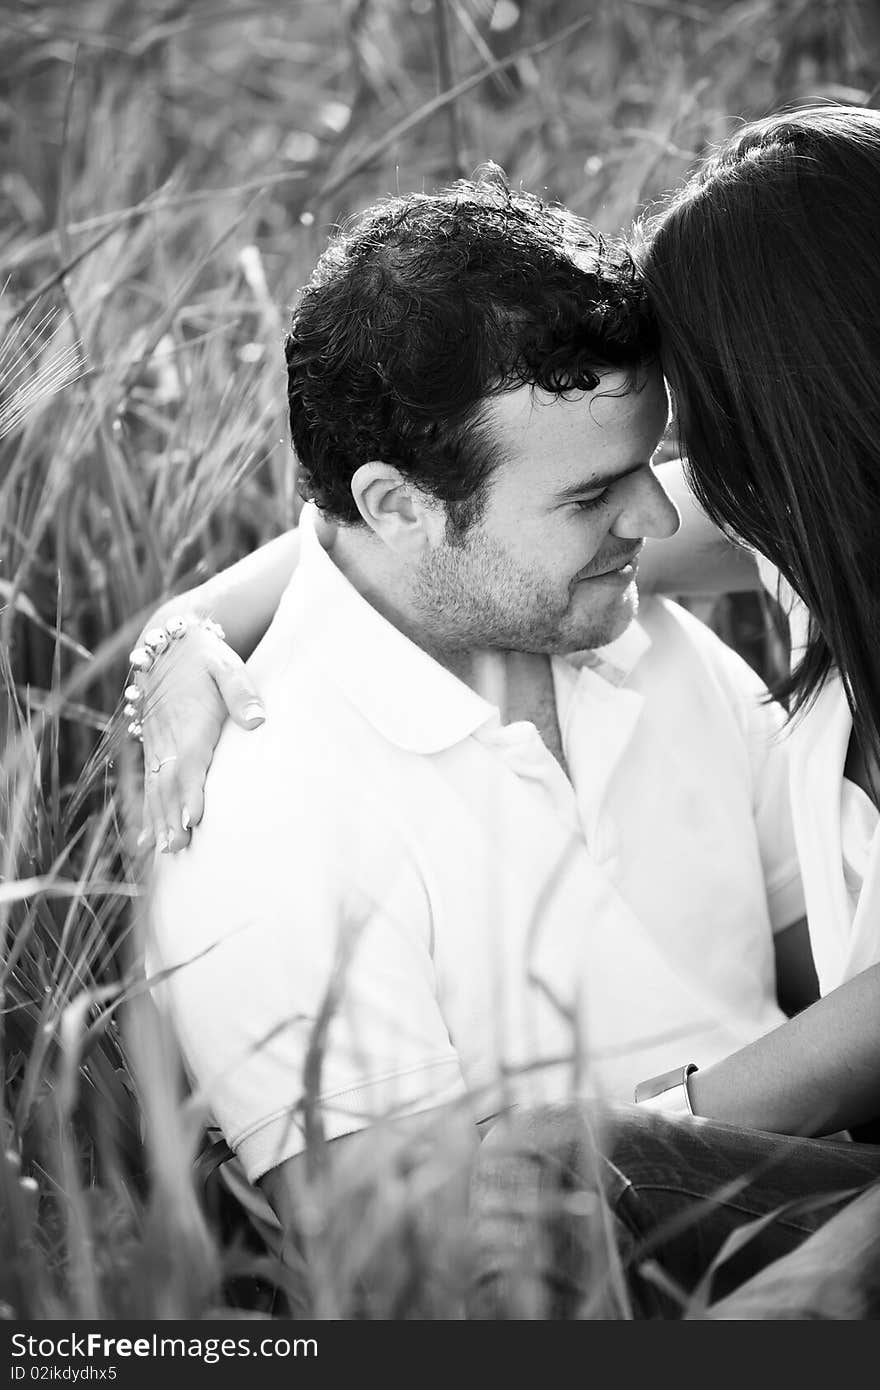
496, 842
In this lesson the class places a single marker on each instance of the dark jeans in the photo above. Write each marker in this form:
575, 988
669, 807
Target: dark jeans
672, 1193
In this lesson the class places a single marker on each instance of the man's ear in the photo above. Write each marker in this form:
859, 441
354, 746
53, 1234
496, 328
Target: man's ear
400, 514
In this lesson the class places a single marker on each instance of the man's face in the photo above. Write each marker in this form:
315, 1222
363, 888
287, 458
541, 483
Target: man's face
551, 564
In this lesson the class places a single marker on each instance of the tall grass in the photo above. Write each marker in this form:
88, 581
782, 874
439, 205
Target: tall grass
169, 174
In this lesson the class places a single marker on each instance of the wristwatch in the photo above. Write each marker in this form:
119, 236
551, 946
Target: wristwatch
668, 1091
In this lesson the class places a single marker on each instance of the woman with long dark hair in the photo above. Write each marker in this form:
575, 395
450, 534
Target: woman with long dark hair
765, 275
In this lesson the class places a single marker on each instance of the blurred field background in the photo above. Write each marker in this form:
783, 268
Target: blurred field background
168, 175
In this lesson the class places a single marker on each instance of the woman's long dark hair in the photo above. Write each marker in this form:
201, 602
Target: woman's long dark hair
765, 275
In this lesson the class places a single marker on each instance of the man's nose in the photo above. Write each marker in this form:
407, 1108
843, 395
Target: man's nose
647, 509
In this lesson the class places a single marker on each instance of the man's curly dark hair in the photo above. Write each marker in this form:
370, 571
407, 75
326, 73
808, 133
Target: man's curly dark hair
429, 304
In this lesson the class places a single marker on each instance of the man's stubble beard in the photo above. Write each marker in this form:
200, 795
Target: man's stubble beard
472, 595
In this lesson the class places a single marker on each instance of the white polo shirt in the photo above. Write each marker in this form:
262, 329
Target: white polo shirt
394, 901
836, 826
837, 831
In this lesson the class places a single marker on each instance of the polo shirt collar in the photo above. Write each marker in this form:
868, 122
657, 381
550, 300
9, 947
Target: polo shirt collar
408, 697
598, 715
616, 661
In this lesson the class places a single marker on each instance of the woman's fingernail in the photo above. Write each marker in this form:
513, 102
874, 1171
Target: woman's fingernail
165, 842
185, 819
254, 713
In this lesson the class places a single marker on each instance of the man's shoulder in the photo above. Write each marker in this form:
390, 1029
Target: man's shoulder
673, 629
314, 775
706, 676
311, 732
300, 814
661, 616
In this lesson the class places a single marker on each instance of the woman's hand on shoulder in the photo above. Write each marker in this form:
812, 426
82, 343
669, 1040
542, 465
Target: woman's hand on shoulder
189, 690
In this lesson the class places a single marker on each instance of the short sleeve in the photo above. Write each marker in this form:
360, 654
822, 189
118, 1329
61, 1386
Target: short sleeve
303, 992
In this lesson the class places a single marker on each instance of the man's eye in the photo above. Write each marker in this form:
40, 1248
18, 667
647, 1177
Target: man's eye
588, 504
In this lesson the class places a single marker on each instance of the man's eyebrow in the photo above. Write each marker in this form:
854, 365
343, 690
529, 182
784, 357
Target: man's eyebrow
597, 480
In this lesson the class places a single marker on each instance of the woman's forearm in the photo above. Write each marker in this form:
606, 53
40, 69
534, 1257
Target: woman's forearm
816, 1074
243, 598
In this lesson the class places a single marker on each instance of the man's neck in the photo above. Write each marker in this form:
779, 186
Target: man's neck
520, 684
387, 589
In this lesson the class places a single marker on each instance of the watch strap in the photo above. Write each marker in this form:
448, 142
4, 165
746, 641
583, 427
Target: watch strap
667, 1092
